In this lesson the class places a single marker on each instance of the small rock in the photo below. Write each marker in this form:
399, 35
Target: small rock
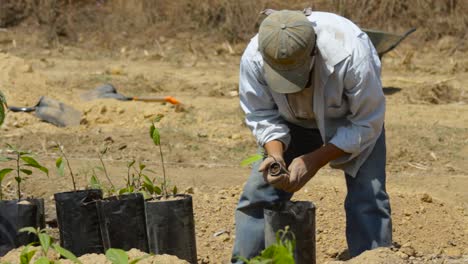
120, 110
122, 146
233, 93
426, 198
103, 109
27, 68
189, 190
402, 255
235, 136
408, 250
84, 121
332, 252
148, 114
115, 71
453, 252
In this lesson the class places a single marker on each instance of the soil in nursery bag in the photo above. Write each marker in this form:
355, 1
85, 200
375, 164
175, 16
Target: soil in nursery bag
171, 228
15, 215
122, 222
78, 221
300, 217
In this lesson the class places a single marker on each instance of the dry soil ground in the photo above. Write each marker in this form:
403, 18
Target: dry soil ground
426, 123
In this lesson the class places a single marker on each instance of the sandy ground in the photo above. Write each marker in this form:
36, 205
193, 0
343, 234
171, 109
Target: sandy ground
426, 124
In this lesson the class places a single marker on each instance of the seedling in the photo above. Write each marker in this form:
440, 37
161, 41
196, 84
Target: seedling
155, 136
103, 168
134, 183
280, 252
94, 182
46, 243
119, 256
23, 161
60, 164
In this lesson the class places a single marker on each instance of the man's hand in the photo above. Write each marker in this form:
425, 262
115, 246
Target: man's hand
280, 181
302, 169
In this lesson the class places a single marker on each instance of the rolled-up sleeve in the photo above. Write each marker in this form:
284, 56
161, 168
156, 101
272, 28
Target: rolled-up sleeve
363, 91
262, 116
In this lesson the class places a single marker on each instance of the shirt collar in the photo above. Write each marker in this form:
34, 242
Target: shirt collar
331, 47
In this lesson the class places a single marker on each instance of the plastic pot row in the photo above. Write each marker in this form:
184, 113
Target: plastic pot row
90, 224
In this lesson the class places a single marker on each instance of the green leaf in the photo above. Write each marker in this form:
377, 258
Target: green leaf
251, 159
150, 170
60, 165
28, 229
25, 171
2, 159
134, 261
26, 255
147, 179
142, 166
10, 147
174, 190
148, 187
66, 254
145, 194
4, 173
157, 190
94, 182
131, 163
117, 256
45, 241
33, 163
154, 134
123, 191
2, 108
42, 260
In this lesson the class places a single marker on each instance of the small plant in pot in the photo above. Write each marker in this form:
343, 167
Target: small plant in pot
21, 212
77, 215
169, 216
122, 215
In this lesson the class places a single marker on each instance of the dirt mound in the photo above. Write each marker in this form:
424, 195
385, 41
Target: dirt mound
388, 256
13, 257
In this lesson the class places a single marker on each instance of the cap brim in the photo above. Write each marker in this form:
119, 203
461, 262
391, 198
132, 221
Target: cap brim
287, 81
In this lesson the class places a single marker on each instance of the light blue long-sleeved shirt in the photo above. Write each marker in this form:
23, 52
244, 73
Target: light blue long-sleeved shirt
348, 101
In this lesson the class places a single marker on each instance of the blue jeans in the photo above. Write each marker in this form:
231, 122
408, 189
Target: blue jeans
367, 205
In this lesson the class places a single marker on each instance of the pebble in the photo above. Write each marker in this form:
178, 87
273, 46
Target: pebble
120, 110
453, 252
189, 190
402, 255
103, 109
408, 250
332, 252
426, 198
27, 68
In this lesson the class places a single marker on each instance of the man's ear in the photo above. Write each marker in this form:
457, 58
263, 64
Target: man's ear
307, 11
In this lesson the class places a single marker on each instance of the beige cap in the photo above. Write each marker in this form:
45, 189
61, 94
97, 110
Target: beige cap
286, 40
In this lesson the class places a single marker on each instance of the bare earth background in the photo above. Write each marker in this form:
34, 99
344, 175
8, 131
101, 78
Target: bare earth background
64, 48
